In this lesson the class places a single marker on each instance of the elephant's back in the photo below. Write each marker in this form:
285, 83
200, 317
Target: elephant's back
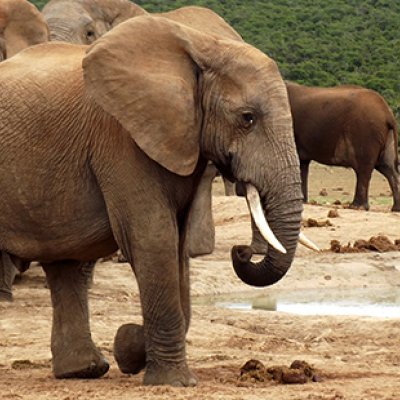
43, 61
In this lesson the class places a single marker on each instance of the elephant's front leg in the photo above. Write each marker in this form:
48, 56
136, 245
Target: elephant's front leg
165, 319
7, 276
129, 342
304, 169
155, 253
362, 187
74, 353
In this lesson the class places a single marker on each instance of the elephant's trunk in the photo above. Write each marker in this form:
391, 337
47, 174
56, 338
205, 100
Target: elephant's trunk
285, 223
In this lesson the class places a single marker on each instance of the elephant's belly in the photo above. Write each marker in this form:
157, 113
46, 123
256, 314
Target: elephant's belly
62, 227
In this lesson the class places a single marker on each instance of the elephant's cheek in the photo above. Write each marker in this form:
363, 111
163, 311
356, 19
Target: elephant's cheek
129, 349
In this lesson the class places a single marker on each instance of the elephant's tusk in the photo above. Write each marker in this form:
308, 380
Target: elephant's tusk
305, 241
254, 204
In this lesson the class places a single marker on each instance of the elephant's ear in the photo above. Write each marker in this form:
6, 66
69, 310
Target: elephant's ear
144, 73
21, 25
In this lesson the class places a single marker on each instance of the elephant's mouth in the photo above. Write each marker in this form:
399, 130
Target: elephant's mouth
256, 210
254, 204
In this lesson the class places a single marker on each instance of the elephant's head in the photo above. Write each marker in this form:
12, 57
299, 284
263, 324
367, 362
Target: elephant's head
185, 96
21, 26
84, 21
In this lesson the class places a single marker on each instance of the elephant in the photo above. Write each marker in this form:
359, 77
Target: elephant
21, 26
84, 21
65, 25
68, 21
110, 156
347, 126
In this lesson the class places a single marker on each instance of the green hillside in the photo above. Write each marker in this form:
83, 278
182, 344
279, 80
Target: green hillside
317, 42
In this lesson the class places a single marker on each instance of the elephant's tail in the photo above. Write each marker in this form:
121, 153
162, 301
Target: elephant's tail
393, 130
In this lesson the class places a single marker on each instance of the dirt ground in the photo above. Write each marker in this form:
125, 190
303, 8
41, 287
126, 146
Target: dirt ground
355, 357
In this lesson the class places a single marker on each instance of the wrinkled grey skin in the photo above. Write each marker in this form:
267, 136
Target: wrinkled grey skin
84, 21
107, 185
21, 26
201, 223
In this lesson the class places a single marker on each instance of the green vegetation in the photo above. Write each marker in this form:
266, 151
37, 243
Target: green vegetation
317, 42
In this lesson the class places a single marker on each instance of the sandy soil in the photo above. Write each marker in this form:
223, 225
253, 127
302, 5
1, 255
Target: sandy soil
356, 357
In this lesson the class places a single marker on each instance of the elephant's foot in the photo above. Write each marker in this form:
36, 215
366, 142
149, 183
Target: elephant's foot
129, 348
396, 208
359, 206
79, 363
6, 295
179, 376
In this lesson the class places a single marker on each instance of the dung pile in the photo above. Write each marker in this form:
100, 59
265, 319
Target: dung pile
314, 223
299, 372
380, 244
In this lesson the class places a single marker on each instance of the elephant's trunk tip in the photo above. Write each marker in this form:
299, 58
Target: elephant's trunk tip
241, 260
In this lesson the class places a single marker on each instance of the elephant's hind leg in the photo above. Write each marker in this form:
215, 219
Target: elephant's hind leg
393, 178
388, 169
74, 353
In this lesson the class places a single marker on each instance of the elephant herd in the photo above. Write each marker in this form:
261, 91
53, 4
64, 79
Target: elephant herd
112, 129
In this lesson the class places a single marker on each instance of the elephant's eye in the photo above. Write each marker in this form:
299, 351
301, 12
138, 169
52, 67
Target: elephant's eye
90, 36
248, 119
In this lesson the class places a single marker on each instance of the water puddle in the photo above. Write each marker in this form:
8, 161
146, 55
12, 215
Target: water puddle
381, 303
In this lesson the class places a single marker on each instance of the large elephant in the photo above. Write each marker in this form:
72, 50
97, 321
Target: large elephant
348, 126
71, 20
108, 153
21, 26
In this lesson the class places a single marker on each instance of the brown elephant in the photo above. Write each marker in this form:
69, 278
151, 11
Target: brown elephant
21, 26
347, 126
111, 156
83, 21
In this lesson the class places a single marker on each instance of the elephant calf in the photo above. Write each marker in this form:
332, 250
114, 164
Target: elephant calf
347, 126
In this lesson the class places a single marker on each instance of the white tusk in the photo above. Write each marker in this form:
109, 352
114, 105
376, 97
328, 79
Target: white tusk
305, 241
254, 204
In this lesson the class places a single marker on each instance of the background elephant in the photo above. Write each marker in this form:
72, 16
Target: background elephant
347, 126
84, 21
111, 156
21, 26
